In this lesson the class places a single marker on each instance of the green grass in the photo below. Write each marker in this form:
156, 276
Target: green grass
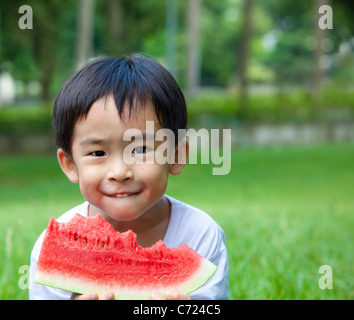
285, 212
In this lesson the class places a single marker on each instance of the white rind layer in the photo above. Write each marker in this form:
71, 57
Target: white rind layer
67, 282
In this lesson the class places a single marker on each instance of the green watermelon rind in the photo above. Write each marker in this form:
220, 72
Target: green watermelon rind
65, 282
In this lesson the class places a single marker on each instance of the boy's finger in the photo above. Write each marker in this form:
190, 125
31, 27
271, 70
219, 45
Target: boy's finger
109, 295
86, 296
155, 296
174, 295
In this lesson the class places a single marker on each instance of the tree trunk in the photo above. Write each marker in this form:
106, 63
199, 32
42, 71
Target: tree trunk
115, 27
320, 35
46, 81
171, 35
85, 32
193, 52
244, 54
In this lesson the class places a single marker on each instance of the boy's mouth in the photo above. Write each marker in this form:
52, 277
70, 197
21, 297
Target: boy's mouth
122, 194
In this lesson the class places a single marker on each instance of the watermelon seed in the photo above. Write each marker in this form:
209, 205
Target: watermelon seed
85, 240
76, 237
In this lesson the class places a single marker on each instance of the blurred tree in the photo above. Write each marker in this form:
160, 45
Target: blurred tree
291, 55
17, 54
193, 50
282, 44
35, 54
84, 30
297, 51
244, 53
320, 36
142, 20
114, 26
45, 42
220, 27
171, 35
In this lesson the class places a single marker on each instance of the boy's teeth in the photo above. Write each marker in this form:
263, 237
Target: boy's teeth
121, 195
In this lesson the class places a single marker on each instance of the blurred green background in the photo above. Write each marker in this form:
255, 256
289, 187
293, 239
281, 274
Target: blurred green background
264, 69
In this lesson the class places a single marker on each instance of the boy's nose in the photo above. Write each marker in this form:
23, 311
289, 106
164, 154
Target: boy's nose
119, 171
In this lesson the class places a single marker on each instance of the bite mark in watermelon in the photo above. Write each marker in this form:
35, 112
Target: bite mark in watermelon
87, 255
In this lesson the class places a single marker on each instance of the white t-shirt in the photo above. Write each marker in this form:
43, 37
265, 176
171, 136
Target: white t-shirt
187, 225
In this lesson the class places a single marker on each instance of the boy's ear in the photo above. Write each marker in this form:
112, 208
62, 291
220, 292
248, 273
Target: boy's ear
181, 157
67, 165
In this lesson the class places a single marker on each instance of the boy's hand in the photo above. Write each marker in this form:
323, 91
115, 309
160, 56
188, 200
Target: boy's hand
171, 295
109, 295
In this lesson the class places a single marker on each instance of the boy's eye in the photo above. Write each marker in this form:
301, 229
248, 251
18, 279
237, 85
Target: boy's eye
98, 153
140, 150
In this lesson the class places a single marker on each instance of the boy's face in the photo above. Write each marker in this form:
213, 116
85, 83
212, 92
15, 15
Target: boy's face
115, 189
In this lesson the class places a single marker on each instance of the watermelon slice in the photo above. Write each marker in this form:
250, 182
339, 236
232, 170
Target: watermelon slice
87, 255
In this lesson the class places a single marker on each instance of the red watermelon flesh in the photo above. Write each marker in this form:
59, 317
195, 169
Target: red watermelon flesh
87, 255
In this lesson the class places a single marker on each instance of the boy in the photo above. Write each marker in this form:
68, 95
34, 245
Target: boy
93, 112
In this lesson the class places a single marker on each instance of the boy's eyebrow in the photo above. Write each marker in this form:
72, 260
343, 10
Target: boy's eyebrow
94, 140
144, 135
88, 141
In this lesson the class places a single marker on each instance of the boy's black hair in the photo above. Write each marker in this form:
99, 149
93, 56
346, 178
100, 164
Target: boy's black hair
134, 79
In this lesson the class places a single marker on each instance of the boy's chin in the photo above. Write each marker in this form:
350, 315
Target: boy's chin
119, 213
